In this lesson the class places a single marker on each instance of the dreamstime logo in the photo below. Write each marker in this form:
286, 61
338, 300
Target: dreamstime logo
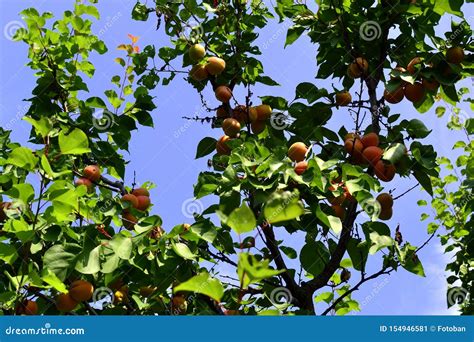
106, 205
192, 31
280, 121
457, 295
11, 27
370, 30
104, 295
192, 207
281, 296
371, 207
102, 120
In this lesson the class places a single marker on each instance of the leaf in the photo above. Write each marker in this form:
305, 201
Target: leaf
122, 246
283, 206
242, 220
76, 142
51, 279
417, 129
424, 180
379, 242
61, 258
183, 251
309, 92
23, 192
88, 261
253, 270
314, 256
329, 221
293, 34
22, 157
8, 253
358, 252
42, 126
204, 284
409, 260
205, 147
394, 153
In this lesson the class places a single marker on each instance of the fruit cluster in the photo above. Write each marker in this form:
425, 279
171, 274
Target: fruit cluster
213, 65
79, 291
138, 199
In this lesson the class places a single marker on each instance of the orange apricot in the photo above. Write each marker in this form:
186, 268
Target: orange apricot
223, 94
343, 98
221, 146
231, 127
414, 92
81, 290
92, 173
215, 65
297, 151
301, 167
394, 97
370, 139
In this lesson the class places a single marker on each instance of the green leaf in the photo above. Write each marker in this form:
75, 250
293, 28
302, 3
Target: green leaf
242, 220
23, 192
394, 153
283, 206
51, 279
42, 126
309, 92
22, 157
76, 142
329, 221
205, 147
314, 256
61, 258
293, 34
417, 129
409, 260
183, 251
88, 261
253, 270
122, 246
8, 253
204, 284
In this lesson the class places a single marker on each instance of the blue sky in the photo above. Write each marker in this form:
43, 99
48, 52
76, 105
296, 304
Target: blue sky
165, 154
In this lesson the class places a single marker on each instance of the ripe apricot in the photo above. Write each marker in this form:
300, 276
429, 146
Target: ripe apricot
297, 151
370, 139
198, 73
430, 85
215, 65
338, 211
143, 203
27, 307
264, 112
128, 220
223, 94
343, 98
131, 199
385, 200
86, 182
196, 52
354, 146
64, 302
411, 67
301, 167
240, 114
253, 114
222, 112
92, 173
141, 192
81, 290
221, 146
258, 126
386, 213
455, 55
358, 68
414, 92
394, 97
231, 127
384, 172
372, 154
351, 136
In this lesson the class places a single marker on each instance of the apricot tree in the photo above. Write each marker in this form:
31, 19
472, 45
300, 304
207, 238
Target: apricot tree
79, 236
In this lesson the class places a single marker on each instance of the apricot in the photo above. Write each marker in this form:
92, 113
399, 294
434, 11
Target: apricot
385, 200
86, 182
81, 290
147, 291
338, 211
222, 112
351, 136
414, 92
141, 192
231, 127
264, 112
92, 173
131, 199
297, 151
221, 147
27, 307
358, 68
354, 146
4, 206
411, 67
343, 98
430, 85
223, 94
196, 52
128, 220
370, 139
64, 302
455, 55
386, 213
258, 126
395, 96
301, 167
121, 295
143, 203
253, 114
198, 73
240, 113
384, 172
215, 65
372, 154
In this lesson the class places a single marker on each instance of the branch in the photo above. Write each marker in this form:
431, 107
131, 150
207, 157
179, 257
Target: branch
107, 183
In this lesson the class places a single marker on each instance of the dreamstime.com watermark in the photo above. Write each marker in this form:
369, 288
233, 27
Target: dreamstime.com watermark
46, 330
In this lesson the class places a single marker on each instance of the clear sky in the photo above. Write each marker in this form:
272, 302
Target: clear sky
165, 154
